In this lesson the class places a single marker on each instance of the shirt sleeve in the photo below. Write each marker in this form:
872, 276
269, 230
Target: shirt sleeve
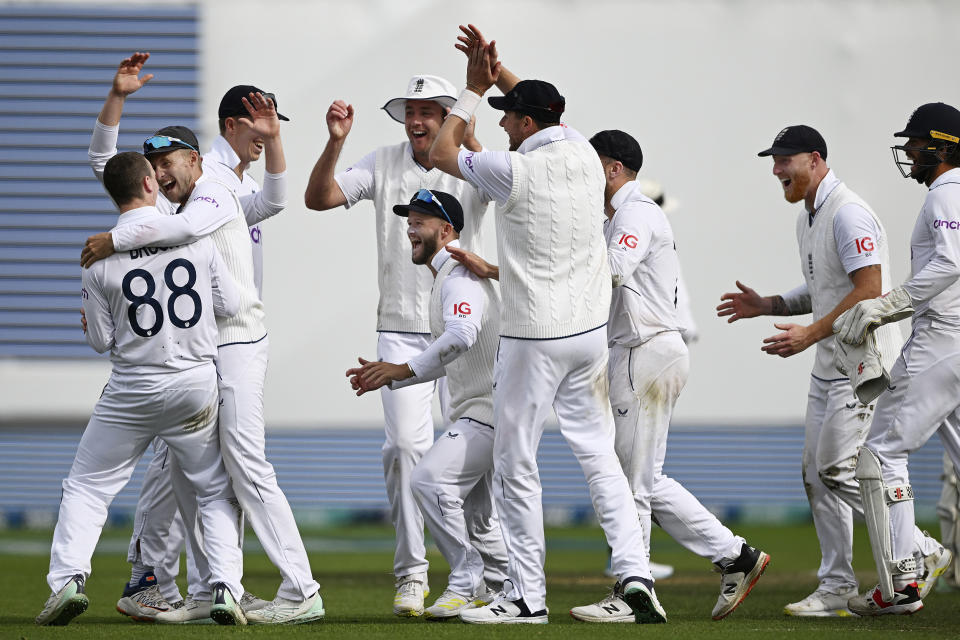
358, 182
944, 268
856, 233
629, 243
491, 172
103, 146
210, 207
463, 304
100, 329
266, 202
798, 300
225, 290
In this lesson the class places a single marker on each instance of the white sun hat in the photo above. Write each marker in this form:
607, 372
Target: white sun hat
422, 87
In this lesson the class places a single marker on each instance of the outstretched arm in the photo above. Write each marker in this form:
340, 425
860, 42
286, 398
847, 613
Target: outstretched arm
127, 80
506, 80
323, 192
749, 304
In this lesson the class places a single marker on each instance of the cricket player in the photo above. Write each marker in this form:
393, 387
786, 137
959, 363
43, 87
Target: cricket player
388, 175
453, 479
245, 134
153, 308
648, 369
555, 284
844, 259
922, 397
211, 208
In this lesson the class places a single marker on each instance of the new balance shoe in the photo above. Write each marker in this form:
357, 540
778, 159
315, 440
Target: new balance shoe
64, 605
449, 605
934, 566
143, 601
905, 601
411, 590
503, 611
822, 604
738, 578
225, 609
639, 595
283, 611
250, 602
613, 608
190, 611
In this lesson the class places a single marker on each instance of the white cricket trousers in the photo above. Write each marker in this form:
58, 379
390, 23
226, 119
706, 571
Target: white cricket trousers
922, 399
645, 382
452, 483
158, 530
242, 369
180, 409
408, 431
569, 375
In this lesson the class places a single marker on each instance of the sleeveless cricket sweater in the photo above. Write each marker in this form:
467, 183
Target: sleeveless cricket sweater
470, 377
405, 287
828, 281
554, 275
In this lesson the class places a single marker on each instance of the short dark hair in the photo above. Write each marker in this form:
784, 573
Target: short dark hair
123, 176
222, 123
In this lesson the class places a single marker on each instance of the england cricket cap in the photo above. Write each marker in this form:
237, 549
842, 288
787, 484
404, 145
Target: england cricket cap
231, 105
170, 139
798, 138
536, 98
438, 204
620, 146
422, 87
934, 120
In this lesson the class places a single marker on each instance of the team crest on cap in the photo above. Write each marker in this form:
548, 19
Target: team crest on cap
780, 135
419, 86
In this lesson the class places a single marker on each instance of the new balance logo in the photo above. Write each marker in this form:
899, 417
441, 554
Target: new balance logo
498, 610
622, 412
611, 608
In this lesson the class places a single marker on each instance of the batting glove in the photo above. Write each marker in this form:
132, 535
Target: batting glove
854, 323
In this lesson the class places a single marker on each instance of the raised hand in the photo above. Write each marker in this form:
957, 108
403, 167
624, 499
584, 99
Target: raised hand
471, 36
127, 79
746, 304
483, 69
339, 119
263, 115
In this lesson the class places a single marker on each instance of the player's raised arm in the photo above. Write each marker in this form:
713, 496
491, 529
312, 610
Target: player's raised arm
127, 80
323, 192
506, 80
265, 123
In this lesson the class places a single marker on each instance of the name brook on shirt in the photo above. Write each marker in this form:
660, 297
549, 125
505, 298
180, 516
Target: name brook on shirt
145, 252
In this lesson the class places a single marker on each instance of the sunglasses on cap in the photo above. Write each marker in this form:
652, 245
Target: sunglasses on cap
160, 142
425, 195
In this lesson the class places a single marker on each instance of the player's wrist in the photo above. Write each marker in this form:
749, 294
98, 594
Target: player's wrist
466, 104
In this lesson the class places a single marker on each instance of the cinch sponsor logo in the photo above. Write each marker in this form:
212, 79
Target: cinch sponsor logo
629, 241
83, 293
255, 234
468, 160
946, 224
461, 309
208, 199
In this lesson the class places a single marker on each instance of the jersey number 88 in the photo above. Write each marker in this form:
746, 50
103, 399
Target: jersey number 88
147, 298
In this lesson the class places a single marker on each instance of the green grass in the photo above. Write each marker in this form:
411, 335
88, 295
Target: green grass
357, 588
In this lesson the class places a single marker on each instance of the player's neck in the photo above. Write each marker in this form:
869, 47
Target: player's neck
423, 159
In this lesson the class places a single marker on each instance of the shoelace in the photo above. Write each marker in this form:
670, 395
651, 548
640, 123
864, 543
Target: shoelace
151, 597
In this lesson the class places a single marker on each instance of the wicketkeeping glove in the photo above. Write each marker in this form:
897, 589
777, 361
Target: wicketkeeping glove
853, 324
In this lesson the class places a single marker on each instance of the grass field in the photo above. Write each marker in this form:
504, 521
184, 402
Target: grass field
358, 589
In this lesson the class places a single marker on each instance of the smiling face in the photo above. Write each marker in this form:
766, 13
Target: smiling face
795, 173
422, 121
424, 233
513, 123
246, 143
176, 171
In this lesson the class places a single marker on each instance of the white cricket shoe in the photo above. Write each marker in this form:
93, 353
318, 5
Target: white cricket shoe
613, 608
822, 604
64, 605
250, 602
503, 611
738, 578
190, 612
283, 611
642, 600
449, 605
225, 609
411, 590
934, 566
905, 601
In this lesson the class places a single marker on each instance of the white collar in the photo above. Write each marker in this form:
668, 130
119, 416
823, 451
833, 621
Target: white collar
548, 135
824, 189
222, 152
443, 255
134, 215
953, 175
624, 192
